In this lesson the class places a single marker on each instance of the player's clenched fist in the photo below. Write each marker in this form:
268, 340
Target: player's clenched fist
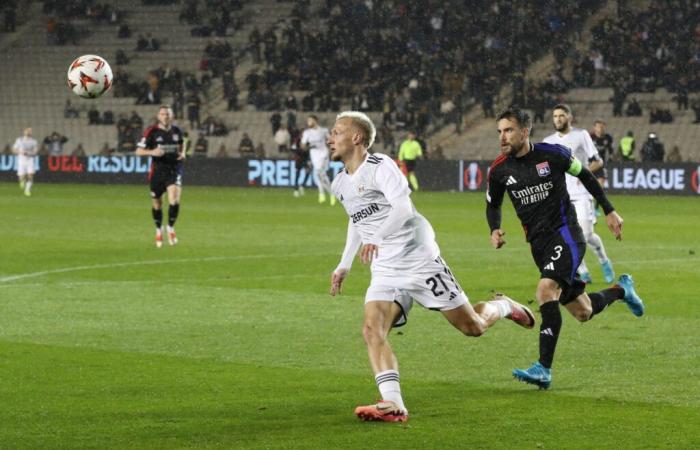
497, 238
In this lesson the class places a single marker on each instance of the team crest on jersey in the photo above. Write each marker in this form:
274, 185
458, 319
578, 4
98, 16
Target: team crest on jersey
543, 169
361, 189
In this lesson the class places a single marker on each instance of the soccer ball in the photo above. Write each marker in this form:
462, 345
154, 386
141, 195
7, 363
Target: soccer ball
89, 76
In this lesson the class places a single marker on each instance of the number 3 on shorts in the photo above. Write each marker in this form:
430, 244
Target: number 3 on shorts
557, 249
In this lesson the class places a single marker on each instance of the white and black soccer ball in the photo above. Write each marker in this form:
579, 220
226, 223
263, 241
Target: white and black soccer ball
89, 76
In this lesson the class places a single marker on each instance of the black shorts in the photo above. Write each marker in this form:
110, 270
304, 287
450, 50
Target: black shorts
162, 176
557, 256
410, 164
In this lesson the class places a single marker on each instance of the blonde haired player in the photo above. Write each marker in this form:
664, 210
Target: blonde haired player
313, 140
26, 148
582, 148
399, 243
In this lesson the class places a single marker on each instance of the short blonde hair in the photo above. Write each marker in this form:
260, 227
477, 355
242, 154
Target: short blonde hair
362, 121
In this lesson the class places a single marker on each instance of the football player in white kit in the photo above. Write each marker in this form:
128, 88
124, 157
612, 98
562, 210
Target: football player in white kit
26, 149
581, 145
314, 139
405, 260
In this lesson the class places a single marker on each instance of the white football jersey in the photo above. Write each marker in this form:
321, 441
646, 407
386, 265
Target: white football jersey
316, 139
581, 145
26, 146
367, 195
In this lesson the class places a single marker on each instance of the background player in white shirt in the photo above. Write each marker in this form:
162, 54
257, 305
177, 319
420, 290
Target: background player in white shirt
26, 149
582, 147
405, 260
314, 141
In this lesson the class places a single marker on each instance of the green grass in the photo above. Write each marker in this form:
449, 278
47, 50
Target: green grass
230, 339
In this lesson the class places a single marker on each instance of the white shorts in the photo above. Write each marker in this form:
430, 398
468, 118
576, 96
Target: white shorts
319, 159
433, 286
25, 165
585, 214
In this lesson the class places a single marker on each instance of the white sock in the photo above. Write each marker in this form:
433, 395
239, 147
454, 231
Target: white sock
170, 229
28, 186
389, 387
596, 243
504, 307
583, 268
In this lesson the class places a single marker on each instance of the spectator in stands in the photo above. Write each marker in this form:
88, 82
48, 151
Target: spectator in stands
260, 151
681, 96
627, 145
54, 143
136, 125
107, 118
388, 141
282, 139
246, 147
291, 120
193, 105
120, 58
696, 110
124, 31
618, 100
276, 122
201, 147
659, 115
653, 149
79, 151
70, 111
106, 150
124, 134
675, 155
222, 152
633, 109
142, 43
93, 116
255, 41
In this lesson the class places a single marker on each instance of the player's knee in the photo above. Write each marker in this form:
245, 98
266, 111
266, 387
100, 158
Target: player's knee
547, 290
372, 334
583, 314
474, 330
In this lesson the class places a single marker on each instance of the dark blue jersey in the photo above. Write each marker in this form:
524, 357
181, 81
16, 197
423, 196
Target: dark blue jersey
536, 184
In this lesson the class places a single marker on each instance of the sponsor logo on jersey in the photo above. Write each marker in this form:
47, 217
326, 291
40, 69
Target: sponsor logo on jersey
510, 181
533, 194
549, 266
543, 169
365, 212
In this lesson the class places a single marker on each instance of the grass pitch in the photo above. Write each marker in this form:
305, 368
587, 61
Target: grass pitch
230, 340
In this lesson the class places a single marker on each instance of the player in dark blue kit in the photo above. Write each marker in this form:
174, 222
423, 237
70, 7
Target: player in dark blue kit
164, 143
533, 175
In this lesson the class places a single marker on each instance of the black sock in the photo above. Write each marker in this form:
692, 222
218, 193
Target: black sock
601, 300
173, 211
549, 332
157, 216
